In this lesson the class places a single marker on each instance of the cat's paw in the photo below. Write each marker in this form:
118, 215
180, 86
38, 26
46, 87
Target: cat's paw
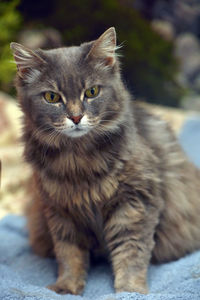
138, 286
67, 287
58, 289
131, 289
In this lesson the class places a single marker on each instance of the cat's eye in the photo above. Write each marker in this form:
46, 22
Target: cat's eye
51, 97
92, 92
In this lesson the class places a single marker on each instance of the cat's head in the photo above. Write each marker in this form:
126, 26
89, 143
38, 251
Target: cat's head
71, 91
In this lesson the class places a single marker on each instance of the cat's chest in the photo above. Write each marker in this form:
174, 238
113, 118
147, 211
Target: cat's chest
76, 180
80, 193
83, 191
85, 204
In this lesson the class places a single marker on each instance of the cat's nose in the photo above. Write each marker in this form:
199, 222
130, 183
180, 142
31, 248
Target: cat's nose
76, 119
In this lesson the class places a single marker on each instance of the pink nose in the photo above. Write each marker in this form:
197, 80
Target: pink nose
76, 119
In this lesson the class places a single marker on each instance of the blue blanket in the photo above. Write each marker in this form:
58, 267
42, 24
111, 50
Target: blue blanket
23, 275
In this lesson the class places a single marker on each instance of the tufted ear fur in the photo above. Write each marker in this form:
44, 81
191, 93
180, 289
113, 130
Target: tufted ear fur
104, 48
28, 61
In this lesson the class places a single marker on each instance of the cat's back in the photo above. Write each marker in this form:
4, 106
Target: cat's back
152, 128
178, 231
156, 134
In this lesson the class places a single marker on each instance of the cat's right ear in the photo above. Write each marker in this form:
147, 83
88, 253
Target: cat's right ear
104, 48
26, 60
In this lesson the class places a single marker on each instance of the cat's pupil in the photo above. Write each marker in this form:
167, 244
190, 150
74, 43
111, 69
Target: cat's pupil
52, 96
92, 91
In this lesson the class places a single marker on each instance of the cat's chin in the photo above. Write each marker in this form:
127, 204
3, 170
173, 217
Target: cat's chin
76, 133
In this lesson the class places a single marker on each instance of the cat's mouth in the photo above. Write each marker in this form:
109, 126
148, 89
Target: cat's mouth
75, 130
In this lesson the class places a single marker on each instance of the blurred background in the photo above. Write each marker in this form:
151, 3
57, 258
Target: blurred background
160, 62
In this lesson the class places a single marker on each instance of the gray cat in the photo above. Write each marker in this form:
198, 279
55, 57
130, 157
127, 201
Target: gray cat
109, 178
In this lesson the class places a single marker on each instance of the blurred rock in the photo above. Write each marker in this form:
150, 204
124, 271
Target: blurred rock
184, 15
187, 50
186, 45
196, 83
15, 173
187, 15
178, 21
191, 102
45, 39
9, 120
164, 28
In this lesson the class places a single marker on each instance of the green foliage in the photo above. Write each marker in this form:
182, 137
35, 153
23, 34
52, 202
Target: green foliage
9, 24
147, 63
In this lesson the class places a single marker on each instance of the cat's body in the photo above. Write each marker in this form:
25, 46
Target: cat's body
111, 181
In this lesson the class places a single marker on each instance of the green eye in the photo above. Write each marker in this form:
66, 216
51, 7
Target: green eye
92, 92
51, 97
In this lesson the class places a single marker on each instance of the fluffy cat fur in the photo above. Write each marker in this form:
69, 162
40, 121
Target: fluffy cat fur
116, 183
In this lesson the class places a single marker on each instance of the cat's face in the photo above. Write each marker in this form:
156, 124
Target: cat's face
73, 91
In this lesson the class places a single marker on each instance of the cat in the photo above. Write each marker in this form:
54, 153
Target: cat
109, 177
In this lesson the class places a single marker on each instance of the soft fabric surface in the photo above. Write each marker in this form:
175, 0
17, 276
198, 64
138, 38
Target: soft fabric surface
190, 139
23, 275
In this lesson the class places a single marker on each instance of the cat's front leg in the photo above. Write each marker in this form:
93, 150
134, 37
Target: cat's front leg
72, 259
72, 269
129, 234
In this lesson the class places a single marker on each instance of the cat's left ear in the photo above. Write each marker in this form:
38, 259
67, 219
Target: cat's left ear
104, 48
27, 60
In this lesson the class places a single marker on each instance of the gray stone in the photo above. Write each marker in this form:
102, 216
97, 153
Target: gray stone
187, 51
191, 102
46, 38
186, 44
196, 84
183, 14
164, 28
